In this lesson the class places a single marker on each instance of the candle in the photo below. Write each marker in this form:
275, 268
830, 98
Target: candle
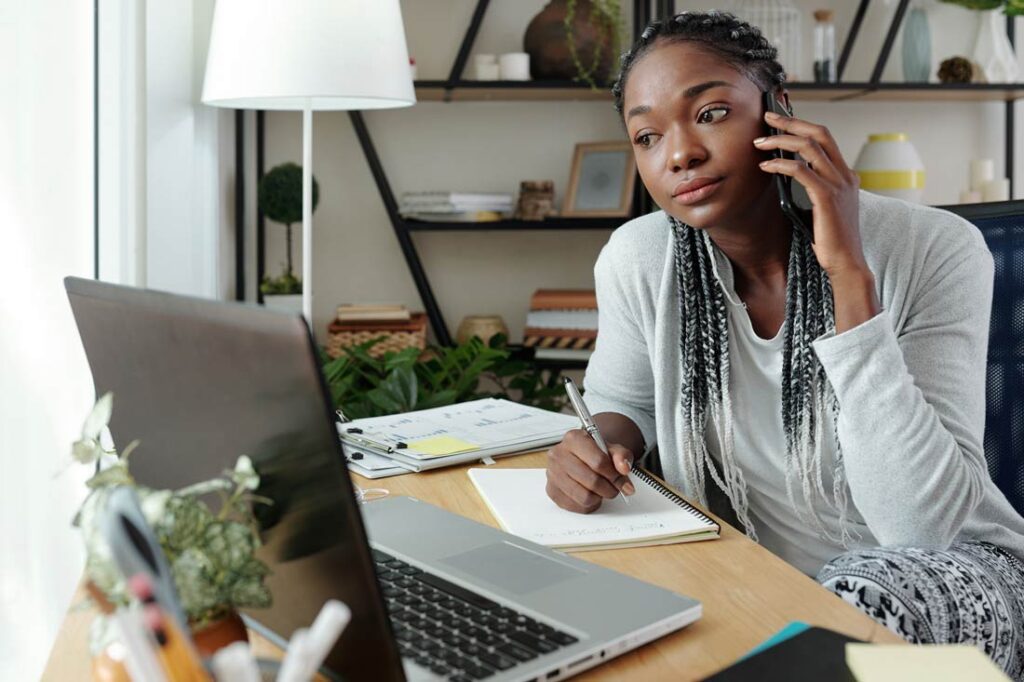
982, 171
996, 190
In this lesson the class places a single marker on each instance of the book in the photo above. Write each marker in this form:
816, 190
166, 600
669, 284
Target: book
355, 312
575, 339
446, 203
442, 197
654, 515
424, 211
456, 217
563, 299
562, 319
415, 322
810, 655
563, 354
370, 306
931, 662
453, 434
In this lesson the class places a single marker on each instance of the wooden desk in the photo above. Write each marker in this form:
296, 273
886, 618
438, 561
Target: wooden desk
748, 593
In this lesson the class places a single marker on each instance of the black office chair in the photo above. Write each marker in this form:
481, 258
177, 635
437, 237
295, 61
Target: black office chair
1002, 225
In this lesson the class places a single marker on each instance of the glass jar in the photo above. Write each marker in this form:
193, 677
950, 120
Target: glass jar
780, 23
824, 47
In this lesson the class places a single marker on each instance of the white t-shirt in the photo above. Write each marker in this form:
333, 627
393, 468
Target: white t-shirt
755, 367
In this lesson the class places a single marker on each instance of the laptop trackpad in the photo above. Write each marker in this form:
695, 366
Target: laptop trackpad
510, 567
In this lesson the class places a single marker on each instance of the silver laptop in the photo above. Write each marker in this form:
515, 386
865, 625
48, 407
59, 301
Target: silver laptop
433, 595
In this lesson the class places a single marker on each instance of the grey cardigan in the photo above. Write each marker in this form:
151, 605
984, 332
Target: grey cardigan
910, 381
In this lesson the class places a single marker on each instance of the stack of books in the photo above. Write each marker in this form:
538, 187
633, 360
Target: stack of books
455, 207
562, 324
372, 312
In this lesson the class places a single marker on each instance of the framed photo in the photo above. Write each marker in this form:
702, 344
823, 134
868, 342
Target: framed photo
601, 181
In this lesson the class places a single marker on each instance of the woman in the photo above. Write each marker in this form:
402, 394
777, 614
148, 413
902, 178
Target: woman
834, 390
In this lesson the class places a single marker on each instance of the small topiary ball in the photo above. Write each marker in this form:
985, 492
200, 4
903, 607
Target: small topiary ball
280, 193
956, 70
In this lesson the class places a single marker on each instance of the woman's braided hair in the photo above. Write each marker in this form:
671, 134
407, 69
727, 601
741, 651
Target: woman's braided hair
704, 342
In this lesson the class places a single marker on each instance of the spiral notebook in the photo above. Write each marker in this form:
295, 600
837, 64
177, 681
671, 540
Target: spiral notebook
654, 515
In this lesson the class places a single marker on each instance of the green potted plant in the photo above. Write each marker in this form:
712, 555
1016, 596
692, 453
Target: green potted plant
210, 551
364, 386
280, 199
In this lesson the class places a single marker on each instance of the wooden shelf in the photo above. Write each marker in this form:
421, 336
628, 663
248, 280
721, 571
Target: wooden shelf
550, 224
509, 91
941, 92
558, 91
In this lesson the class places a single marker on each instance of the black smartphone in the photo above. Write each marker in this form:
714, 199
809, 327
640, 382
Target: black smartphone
793, 199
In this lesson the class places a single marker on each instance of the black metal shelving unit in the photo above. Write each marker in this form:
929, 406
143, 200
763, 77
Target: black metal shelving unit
455, 88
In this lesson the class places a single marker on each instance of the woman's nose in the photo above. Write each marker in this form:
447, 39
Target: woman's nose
685, 155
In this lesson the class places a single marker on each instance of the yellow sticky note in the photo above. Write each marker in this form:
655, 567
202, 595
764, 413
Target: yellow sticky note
924, 662
439, 446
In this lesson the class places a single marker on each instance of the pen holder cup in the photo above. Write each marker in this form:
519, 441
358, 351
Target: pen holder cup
108, 663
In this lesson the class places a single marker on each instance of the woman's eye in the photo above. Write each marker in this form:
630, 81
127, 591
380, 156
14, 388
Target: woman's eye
712, 115
644, 140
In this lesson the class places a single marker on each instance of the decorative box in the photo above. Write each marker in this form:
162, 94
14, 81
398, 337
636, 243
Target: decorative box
398, 335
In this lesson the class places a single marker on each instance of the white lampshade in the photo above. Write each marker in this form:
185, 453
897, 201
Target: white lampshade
327, 54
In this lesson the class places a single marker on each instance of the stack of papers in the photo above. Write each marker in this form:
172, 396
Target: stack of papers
442, 436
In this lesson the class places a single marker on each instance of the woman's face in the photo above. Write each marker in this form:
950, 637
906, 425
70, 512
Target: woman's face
692, 119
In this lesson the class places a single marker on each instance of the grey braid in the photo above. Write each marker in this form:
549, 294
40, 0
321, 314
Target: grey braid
807, 394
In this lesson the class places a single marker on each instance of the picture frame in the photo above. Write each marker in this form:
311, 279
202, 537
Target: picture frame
601, 181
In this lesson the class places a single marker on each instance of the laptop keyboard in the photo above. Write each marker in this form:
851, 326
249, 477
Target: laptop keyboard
455, 632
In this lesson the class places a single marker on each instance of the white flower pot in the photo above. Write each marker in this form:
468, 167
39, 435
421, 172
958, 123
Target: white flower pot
890, 165
287, 303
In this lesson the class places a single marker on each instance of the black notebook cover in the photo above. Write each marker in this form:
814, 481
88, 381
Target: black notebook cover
814, 655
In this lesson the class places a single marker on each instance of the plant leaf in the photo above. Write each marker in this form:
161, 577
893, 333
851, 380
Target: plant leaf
99, 417
383, 400
86, 450
115, 474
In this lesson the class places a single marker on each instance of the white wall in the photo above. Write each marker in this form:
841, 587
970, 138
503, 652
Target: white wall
46, 230
491, 146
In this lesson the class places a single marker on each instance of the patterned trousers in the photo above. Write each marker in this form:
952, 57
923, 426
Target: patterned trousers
971, 593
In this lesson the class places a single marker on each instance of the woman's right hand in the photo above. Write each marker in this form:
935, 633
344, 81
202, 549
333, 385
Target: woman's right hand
581, 477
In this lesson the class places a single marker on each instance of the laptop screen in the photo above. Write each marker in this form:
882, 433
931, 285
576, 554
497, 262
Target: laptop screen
201, 382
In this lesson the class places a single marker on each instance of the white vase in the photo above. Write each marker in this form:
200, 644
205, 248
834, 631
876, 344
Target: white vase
992, 49
286, 303
888, 164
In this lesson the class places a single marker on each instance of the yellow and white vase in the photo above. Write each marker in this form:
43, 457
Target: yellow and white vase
889, 165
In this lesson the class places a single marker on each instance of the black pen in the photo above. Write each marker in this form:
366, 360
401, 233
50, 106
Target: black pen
580, 408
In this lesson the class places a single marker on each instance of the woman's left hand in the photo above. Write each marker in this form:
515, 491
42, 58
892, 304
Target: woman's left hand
833, 190
830, 184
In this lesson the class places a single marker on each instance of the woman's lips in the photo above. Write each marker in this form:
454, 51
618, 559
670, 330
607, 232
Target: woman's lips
698, 194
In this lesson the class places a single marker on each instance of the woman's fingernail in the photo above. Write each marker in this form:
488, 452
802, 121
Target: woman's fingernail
628, 488
764, 164
771, 114
760, 140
